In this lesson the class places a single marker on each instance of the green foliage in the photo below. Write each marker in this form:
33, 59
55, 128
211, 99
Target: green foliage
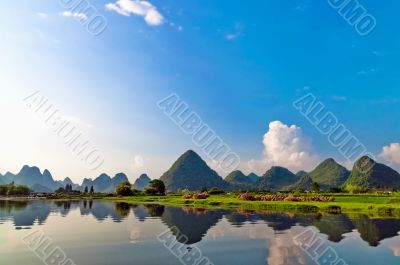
335, 190
14, 190
156, 187
369, 174
304, 183
329, 174
67, 190
216, 191
277, 179
124, 189
315, 187
353, 189
192, 173
150, 191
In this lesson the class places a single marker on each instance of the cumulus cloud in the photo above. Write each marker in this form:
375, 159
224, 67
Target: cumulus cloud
285, 146
391, 153
140, 8
80, 16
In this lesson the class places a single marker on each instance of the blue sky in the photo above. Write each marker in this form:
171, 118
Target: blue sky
238, 65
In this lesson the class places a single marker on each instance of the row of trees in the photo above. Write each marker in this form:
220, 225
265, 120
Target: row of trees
14, 190
69, 190
155, 188
87, 190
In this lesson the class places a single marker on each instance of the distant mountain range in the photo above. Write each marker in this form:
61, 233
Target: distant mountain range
191, 172
238, 180
104, 183
44, 182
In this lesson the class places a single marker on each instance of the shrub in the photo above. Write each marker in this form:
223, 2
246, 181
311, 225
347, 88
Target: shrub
150, 191
216, 191
124, 189
157, 186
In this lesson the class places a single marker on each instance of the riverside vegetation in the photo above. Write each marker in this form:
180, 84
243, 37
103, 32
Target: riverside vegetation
330, 187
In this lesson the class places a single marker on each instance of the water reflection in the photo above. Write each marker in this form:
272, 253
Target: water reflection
195, 223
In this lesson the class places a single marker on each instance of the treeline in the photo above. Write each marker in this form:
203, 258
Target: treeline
14, 190
155, 188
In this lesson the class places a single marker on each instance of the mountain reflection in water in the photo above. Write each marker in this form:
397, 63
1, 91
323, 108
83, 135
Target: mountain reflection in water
197, 223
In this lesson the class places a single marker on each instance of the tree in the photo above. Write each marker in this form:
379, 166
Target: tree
158, 186
150, 191
216, 191
11, 189
91, 190
60, 190
315, 187
68, 188
86, 189
124, 189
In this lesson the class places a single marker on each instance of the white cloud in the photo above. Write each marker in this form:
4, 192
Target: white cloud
140, 8
391, 153
285, 146
80, 16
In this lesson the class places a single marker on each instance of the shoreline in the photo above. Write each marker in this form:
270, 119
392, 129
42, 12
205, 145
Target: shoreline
372, 205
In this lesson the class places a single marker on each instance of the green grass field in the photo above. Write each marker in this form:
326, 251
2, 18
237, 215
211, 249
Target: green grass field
373, 205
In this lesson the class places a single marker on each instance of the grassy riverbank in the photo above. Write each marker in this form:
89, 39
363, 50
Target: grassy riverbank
373, 205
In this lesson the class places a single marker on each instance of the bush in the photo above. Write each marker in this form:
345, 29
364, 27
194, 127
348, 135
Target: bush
124, 189
150, 191
14, 190
354, 189
216, 191
335, 190
156, 187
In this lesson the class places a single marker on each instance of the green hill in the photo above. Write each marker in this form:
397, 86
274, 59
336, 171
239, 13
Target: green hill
276, 179
304, 183
192, 173
238, 180
329, 174
367, 173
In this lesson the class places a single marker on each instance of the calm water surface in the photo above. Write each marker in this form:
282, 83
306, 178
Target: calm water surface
108, 233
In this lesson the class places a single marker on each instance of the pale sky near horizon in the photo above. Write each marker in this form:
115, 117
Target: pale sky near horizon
239, 66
